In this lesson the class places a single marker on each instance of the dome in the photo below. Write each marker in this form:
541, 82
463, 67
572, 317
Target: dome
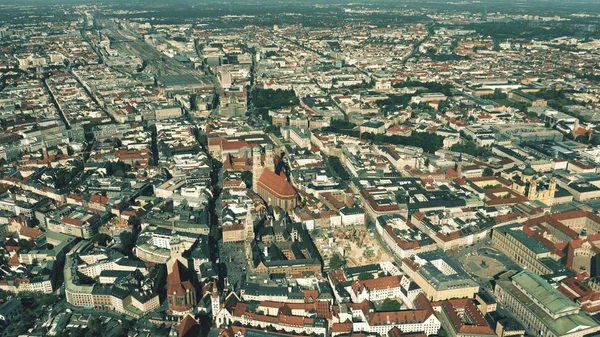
529, 171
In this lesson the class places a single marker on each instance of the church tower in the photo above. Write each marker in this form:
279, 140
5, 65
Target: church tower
249, 228
257, 166
269, 162
552, 187
532, 193
177, 247
44, 150
550, 192
215, 300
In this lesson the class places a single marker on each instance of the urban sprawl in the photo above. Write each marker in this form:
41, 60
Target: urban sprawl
327, 170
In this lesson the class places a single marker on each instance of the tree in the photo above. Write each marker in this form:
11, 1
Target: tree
23, 243
95, 328
390, 305
135, 223
273, 129
336, 261
487, 172
64, 176
270, 53
127, 242
584, 139
118, 168
443, 105
78, 332
273, 99
338, 169
557, 99
454, 45
5, 294
365, 276
496, 45
471, 148
47, 299
445, 89
101, 239
498, 94
429, 142
194, 102
121, 330
395, 101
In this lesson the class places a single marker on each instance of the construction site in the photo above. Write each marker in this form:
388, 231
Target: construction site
357, 246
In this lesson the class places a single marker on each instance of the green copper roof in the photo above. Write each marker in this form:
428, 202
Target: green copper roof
549, 298
538, 297
529, 171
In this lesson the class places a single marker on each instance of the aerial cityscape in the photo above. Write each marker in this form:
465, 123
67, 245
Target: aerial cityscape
322, 168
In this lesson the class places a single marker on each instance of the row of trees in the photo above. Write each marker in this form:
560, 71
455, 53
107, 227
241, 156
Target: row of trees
341, 124
557, 99
445, 89
63, 176
502, 98
336, 261
395, 102
95, 328
32, 304
498, 94
471, 148
127, 239
519, 29
590, 76
118, 169
434, 56
338, 169
273, 99
429, 142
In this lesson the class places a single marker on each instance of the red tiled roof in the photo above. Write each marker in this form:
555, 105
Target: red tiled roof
99, 199
580, 131
342, 327
234, 145
14, 261
234, 227
188, 327
501, 180
385, 282
232, 182
364, 306
277, 185
74, 222
509, 217
581, 165
473, 322
30, 232
398, 317
177, 281
311, 295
